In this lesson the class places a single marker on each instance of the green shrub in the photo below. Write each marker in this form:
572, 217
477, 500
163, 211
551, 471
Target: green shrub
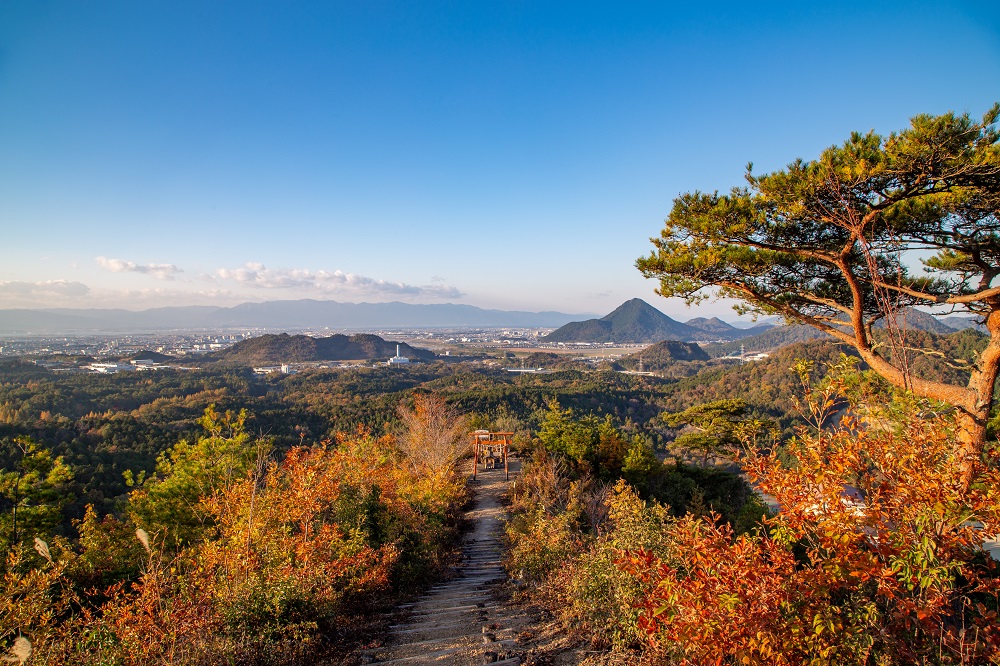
601, 595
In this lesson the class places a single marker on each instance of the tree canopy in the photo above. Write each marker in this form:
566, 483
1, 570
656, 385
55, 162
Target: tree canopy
33, 494
711, 426
833, 243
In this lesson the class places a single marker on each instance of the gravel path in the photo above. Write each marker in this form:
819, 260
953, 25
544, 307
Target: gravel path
460, 621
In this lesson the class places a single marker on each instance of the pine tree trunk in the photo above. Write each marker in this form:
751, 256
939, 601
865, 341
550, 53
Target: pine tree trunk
976, 413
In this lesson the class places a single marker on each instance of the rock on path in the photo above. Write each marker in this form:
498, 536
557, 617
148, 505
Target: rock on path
460, 620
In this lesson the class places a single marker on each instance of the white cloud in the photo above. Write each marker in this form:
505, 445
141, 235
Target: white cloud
255, 274
250, 282
47, 293
159, 271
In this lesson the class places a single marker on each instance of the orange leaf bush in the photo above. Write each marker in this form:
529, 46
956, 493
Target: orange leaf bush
875, 557
289, 554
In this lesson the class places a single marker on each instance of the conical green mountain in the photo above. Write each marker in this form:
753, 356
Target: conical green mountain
634, 321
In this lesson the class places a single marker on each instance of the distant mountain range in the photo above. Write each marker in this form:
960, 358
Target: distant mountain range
780, 336
286, 348
636, 321
306, 314
913, 319
962, 322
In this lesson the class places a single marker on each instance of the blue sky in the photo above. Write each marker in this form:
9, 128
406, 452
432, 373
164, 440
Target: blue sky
513, 155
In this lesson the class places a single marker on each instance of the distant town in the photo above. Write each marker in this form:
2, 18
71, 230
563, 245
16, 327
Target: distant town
107, 354
192, 346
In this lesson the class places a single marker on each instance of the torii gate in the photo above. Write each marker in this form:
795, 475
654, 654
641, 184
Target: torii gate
490, 447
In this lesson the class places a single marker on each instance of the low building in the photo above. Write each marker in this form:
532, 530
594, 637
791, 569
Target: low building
397, 359
284, 369
110, 368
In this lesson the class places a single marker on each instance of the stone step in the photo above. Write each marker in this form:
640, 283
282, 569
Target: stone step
425, 657
471, 571
443, 618
472, 598
466, 584
434, 641
446, 603
442, 607
466, 580
392, 657
431, 628
476, 574
457, 594
458, 588
480, 560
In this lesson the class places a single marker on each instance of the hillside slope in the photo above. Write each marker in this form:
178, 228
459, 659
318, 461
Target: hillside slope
776, 337
662, 355
716, 329
284, 348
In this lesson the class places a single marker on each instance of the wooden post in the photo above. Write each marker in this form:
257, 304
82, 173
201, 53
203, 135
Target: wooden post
477, 446
475, 455
506, 471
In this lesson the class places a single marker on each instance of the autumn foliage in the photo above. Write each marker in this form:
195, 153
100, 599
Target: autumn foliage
876, 555
241, 557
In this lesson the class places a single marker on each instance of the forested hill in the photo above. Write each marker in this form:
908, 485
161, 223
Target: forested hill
716, 328
663, 354
777, 337
286, 348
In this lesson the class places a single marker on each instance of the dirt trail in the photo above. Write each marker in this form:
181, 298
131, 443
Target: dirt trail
461, 621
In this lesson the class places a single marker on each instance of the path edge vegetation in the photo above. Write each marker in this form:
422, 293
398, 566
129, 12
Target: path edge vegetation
229, 554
